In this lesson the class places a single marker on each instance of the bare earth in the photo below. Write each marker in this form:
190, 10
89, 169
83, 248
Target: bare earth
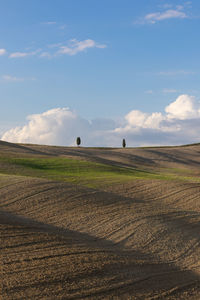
131, 240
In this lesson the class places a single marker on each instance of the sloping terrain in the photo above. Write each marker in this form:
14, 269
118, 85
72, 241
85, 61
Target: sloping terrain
83, 223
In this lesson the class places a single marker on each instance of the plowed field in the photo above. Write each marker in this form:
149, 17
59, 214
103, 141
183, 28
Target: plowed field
83, 223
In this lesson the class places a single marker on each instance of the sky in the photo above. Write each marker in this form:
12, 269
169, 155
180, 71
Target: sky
103, 70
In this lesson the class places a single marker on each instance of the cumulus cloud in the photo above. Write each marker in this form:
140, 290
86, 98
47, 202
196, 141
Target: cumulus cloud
135, 120
179, 124
185, 107
56, 126
76, 46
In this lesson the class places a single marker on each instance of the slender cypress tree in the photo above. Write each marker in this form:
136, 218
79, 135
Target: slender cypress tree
78, 141
124, 143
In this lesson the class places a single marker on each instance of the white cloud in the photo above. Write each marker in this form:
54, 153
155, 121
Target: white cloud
168, 14
62, 27
11, 78
167, 11
169, 91
72, 48
49, 23
54, 45
150, 92
19, 54
180, 124
2, 52
166, 5
185, 107
56, 126
175, 73
23, 54
136, 118
76, 46
45, 55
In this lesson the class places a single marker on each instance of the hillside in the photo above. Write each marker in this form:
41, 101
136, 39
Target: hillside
99, 223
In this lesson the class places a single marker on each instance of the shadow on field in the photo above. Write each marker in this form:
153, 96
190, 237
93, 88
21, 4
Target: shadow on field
11, 148
118, 159
172, 157
124, 271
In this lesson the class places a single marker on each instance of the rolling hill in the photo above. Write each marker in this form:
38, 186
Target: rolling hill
99, 223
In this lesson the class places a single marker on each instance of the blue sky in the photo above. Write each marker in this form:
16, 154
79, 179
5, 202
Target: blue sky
102, 59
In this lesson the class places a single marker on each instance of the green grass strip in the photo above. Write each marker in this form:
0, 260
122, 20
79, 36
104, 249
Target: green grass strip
71, 170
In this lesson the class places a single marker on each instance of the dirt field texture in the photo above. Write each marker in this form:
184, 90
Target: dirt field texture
99, 223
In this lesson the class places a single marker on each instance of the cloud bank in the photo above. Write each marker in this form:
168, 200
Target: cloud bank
179, 124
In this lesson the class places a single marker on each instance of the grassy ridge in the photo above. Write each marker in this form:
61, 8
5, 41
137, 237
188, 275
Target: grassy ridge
78, 171
64, 169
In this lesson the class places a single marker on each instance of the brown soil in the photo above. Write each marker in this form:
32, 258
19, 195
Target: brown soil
134, 240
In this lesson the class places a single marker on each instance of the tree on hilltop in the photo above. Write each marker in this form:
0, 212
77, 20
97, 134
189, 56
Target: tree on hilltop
124, 143
78, 141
